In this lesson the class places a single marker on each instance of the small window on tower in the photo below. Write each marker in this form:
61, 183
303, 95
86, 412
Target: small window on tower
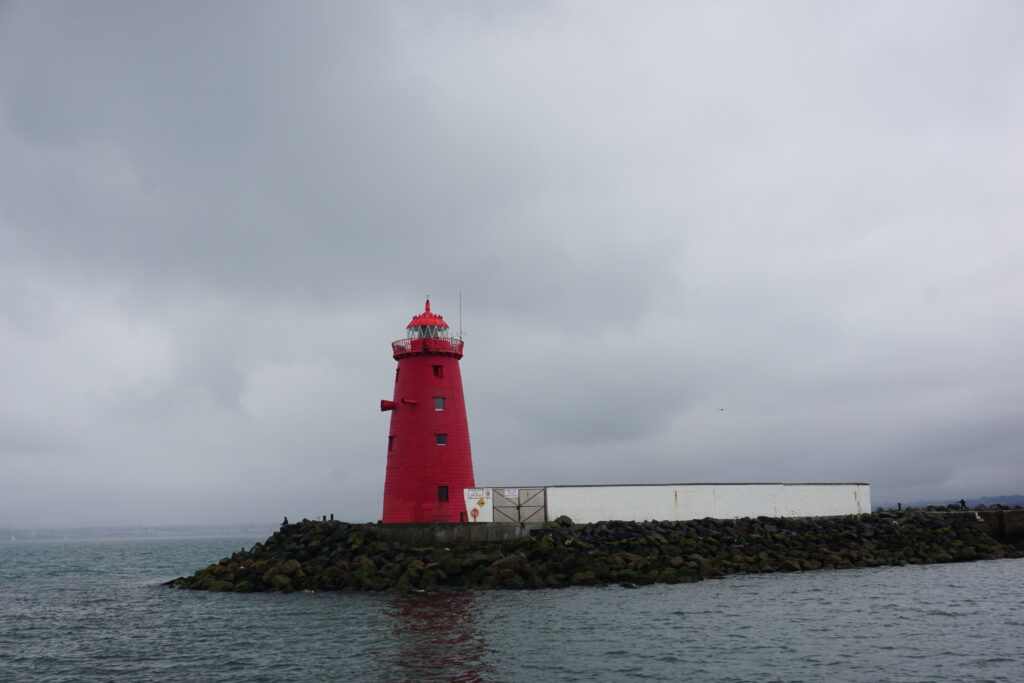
442, 494
396, 373
439, 403
442, 439
391, 442
439, 371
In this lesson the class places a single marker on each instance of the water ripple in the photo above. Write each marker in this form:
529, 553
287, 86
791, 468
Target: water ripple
95, 611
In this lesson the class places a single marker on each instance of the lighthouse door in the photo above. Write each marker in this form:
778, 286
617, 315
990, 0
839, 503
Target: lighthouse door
520, 506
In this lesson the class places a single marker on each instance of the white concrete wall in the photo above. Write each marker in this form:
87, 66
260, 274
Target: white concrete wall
585, 504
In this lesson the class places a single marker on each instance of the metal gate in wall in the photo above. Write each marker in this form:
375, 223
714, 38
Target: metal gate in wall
520, 506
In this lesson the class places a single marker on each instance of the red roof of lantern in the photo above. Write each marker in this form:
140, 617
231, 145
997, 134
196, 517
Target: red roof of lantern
427, 318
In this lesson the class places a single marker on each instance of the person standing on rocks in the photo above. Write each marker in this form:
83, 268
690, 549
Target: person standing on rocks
963, 504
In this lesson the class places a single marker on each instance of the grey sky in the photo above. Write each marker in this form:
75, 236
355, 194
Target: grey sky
215, 217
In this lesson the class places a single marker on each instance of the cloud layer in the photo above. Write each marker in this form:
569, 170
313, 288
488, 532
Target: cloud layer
694, 242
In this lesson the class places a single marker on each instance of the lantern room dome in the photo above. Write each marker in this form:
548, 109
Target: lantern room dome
427, 318
427, 325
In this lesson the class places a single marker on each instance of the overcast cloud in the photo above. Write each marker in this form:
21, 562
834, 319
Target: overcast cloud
695, 241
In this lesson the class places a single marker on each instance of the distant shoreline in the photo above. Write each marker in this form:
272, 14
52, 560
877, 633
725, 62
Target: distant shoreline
102, 533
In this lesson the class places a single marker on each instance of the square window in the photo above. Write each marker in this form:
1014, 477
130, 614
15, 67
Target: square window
439, 403
438, 371
442, 494
442, 439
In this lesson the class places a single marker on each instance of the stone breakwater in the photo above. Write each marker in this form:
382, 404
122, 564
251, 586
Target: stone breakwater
335, 556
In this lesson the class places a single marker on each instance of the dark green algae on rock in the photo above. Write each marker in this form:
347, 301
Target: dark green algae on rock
336, 556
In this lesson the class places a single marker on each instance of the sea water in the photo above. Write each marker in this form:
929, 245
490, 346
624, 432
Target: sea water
95, 610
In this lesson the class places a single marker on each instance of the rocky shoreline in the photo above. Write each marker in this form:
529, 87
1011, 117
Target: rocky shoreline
336, 556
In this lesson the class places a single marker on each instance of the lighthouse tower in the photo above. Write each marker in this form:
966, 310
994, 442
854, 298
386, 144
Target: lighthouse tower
429, 461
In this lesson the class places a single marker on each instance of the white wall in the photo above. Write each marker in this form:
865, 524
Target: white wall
585, 504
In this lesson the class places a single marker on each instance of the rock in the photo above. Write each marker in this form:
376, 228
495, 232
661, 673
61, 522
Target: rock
668, 576
513, 582
790, 565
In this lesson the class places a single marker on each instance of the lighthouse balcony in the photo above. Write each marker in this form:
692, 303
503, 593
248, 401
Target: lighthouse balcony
405, 347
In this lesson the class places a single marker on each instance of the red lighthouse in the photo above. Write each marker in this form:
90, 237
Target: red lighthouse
429, 461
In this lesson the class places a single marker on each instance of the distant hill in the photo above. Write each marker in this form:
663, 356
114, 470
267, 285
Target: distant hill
1001, 500
971, 502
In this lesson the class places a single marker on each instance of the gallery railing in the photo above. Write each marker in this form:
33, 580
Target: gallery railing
404, 347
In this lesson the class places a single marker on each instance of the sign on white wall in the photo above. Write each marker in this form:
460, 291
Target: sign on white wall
479, 504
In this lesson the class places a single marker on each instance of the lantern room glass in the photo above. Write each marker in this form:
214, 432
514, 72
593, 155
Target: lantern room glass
428, 332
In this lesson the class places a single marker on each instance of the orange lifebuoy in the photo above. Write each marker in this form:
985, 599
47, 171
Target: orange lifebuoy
474, 512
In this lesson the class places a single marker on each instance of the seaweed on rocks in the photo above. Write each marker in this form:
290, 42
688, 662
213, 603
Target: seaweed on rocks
336, 556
